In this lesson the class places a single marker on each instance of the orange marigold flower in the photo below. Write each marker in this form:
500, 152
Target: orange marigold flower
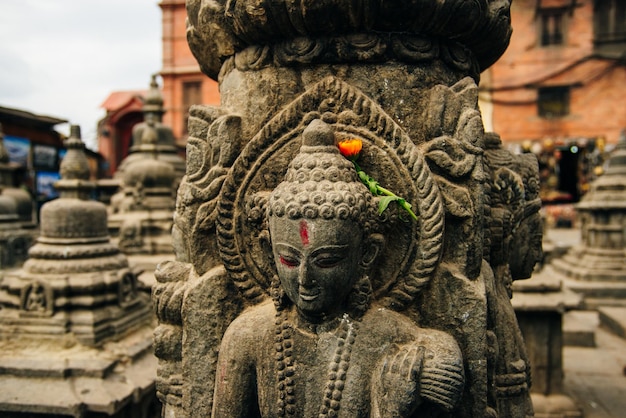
350, 148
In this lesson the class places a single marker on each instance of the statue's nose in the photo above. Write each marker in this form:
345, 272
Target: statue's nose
305, 278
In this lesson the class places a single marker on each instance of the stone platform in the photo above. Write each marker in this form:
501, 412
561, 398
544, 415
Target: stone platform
579, 328
613, 319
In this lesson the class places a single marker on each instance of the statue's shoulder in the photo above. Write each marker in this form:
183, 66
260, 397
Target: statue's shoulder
378, 313
253, 322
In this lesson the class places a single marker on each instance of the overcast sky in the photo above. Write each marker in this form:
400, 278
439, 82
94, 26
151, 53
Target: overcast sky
62, 58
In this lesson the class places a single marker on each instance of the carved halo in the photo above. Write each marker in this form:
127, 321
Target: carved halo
388, 155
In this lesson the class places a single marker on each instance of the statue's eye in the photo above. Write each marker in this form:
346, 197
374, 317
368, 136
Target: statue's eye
327, 261
288, 261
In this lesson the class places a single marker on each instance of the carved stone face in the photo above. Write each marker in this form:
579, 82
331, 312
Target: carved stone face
317, 261
526, 248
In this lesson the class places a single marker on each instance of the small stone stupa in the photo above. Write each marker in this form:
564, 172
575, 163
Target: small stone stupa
141, 212
17, 227
160, 141
597, 265
75, 333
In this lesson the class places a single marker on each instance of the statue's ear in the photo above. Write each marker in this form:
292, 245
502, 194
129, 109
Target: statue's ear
373, 247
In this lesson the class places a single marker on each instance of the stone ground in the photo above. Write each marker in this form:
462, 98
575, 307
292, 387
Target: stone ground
594, 357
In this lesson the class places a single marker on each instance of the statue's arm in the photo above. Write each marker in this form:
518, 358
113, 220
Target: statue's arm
235, 394
442, 376
425, 373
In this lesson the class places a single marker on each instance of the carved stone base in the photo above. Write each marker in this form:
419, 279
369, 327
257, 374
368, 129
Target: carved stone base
539, 305
88, 307
60, 378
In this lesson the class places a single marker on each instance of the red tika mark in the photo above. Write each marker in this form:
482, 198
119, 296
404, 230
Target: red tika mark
304, 232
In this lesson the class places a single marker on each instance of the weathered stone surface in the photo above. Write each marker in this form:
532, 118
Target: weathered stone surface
75, 334
17, 226
303, 33
268, 206
140, 218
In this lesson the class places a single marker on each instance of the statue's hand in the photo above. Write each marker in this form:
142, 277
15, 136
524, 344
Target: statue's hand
395, 391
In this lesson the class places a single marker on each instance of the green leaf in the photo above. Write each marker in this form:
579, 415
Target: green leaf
384, 202
371, 184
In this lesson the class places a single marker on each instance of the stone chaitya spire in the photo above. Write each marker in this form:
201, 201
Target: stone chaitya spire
141, 211
75, 280
73, 312
599, 258
17, 228
151, 138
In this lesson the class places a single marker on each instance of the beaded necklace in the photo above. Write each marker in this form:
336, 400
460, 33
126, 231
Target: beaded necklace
337, 370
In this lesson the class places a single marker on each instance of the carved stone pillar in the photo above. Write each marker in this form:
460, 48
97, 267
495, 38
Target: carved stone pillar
402, 78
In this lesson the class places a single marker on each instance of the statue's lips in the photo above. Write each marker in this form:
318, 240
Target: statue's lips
309, 296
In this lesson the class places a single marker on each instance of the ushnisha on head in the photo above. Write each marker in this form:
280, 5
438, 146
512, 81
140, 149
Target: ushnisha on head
321, 221
321, 183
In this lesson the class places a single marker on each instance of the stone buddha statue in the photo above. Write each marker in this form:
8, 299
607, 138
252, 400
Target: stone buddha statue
322, 346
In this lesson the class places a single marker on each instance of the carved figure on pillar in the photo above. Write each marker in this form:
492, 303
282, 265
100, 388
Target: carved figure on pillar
401, 79
322, 222
513, 247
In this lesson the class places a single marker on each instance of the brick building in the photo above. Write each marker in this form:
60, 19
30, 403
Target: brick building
123, 111
183, 83
560, 87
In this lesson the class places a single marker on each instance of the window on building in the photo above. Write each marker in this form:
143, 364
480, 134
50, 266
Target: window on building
553, 102
610, 21
192, 94
551, 26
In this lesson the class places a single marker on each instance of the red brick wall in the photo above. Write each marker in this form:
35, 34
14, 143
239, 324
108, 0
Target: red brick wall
597, 94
